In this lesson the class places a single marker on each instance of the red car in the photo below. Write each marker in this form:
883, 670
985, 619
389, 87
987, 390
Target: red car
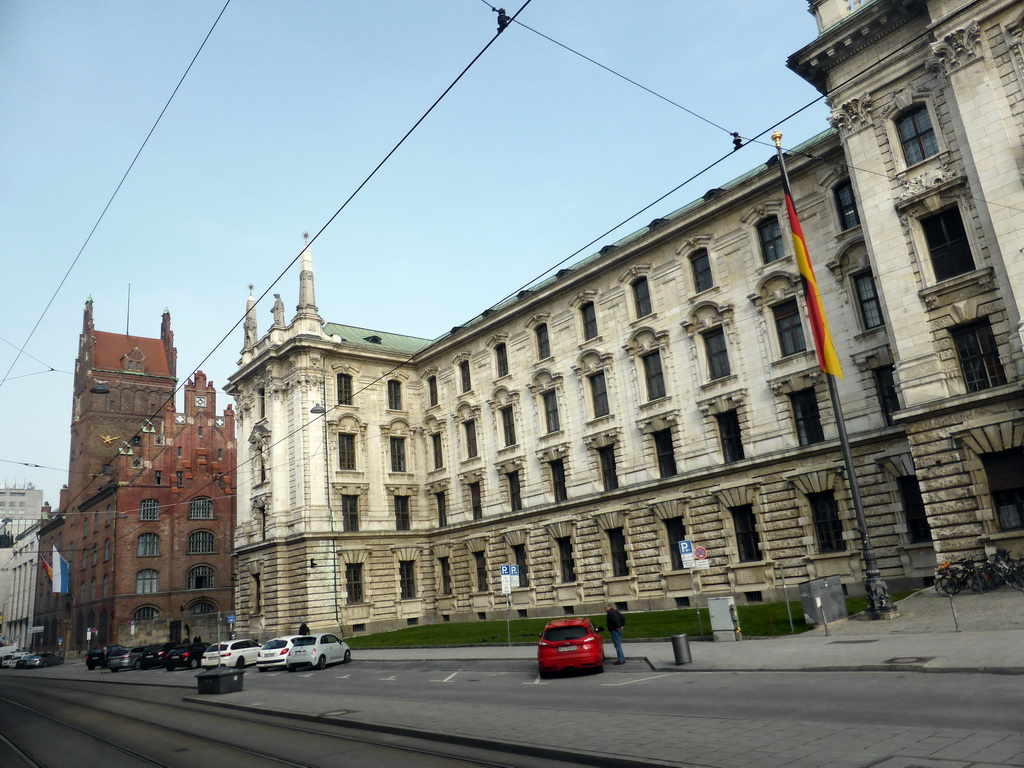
570, 644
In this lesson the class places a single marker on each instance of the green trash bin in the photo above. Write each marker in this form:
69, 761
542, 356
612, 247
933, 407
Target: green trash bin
220, 680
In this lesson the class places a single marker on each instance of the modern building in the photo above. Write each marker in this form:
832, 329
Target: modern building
21, 507
666, 389
18, 582
148, 513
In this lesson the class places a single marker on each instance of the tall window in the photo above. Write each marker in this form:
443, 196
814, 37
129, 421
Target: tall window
730, 436
201, 543
828, 528
344, 389
846, 206
480, 561
508, 425
464, 376
149, 509
515, 491
588, 315
475, 501
916, 135
398, 454
501, 359
444, 566
261, 399
700, 266
914, 513
147, 582
354, 580
148, 545
441, 502
807, 417
717, 353
642, 297
403, 520
179, 476
395, 395
617, 549
1005, 473
948, 247
543, 343
432, 390
665, 453
789, 328
407, 579
609, 472
599, 394
200, 509
675, 531
558, 488
979, 356
748, 542
200, 577
469, 427
654, 376
435, 443
551, 420
346, 451
770, 236
350, 511
566, 561
885, 386
519, 555
867, 300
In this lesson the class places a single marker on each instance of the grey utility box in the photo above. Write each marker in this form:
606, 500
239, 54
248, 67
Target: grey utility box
220, 680
823, 600
725, 624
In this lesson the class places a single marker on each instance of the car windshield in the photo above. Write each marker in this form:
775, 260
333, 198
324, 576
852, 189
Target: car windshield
305, 641
557, 634
275, 644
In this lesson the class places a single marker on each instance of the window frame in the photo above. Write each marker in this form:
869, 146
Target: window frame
789, 328
599, 394
846, 205
346, 451
665, 452
398, 454
588, 320
350, 511
769, 236
201, 543
654, 375
403, 512
978, 354
700, 270
354, 583
642, 303
916, 139
827, 522
608, 466
508, 425
618, 555
948, 244
343, 382
394, 395
501, 359
543, 341
807, 416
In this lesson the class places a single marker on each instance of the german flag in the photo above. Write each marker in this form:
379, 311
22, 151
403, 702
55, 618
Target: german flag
827, 358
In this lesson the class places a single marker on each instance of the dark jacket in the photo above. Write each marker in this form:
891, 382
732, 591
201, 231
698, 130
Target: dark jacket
615, 620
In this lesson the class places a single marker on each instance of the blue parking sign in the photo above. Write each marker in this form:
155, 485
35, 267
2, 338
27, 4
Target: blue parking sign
686, 548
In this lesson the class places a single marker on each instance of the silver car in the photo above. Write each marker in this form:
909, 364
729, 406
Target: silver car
126, 658
318, 651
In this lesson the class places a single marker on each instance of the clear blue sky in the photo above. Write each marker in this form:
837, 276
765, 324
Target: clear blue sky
288, 108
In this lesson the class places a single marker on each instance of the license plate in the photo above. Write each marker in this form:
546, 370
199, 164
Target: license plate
568, 648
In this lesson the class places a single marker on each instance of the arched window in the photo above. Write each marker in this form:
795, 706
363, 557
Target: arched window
106, 585
145, 613
200, 543
200, 509
200, 577
95, 554
201, 607
106, 551
148, 545
149, 509
147, 581
92, 589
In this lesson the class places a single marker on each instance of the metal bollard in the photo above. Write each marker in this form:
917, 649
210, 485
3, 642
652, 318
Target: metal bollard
681, 649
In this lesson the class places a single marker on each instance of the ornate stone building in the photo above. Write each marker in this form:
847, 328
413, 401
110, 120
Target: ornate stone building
665, 388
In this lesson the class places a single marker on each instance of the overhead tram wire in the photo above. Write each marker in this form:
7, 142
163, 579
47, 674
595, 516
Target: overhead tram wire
117, 189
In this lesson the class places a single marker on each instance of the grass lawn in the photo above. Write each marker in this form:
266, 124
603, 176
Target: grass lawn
766, 620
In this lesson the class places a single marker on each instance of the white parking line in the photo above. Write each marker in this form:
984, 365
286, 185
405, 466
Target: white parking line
388, 678
638, 680
342, 677
537, 681
447, 679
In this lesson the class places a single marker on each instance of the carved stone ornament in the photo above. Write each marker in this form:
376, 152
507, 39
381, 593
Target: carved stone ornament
852, 116
914, 187
959, 48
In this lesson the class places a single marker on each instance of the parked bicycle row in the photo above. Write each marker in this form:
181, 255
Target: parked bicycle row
980, 575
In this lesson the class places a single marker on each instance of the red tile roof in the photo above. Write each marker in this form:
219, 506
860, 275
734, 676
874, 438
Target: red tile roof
110, 348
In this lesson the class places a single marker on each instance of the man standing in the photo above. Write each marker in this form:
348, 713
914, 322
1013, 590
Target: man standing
616, 621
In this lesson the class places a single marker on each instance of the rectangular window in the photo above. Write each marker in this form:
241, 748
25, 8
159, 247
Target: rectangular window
642, 297
432, 390
979, 356
665, 453
543, 343
789, 328
551, 420
344, 389
407, 579
867, 300
350, 511
599, 394
354, 580
748, 541
918, 529
846, 206
566, 562
398, 454
828, 528
617, 549
444, 566
403, 520
464, 376
730, 436
1010, 509
916, 135
770, 236
179, 478
395, 395
158, 477
519, 556
675, 531
476, 501
807, 417
947, 242
558, 487
469, 428
1004, 471
515, 493
501, 359
480, 561
700, 266
441, 502
717, 353
508, 425
885, 386
435, 443
346, 451
588, 315
654, 376
609, 472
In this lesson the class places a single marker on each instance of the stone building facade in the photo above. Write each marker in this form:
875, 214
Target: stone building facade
666, 388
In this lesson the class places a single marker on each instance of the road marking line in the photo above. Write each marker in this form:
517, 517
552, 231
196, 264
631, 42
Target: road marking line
447, 679
641, 680
388, 678
537, 681
342, 677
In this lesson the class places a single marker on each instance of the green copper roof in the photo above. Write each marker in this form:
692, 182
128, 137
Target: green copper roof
364, 337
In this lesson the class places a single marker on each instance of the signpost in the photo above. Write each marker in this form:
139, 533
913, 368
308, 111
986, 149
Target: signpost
509, 581
695, 558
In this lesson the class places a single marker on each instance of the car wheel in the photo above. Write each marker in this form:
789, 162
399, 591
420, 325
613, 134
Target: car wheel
169, 667
113, 669
348, 656
91, 667
194, 664
240, 664
137, 664
261, 669
321, 663
543, 674
290, 668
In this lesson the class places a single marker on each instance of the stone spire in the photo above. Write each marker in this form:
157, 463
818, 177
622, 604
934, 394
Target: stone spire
307, 297
249, 324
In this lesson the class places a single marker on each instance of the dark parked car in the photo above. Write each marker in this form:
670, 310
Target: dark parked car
186, 655
97, 657
39, 660
125, 658
155, 655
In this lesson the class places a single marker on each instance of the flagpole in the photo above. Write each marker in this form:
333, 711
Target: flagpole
879, 603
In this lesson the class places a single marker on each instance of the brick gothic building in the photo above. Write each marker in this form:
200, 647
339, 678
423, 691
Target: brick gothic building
664, 388
148, 513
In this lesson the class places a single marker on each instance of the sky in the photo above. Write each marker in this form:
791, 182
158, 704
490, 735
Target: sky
288, 108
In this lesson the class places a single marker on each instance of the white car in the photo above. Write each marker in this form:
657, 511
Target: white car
274, 653
8, 661
317, 651
231, 653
